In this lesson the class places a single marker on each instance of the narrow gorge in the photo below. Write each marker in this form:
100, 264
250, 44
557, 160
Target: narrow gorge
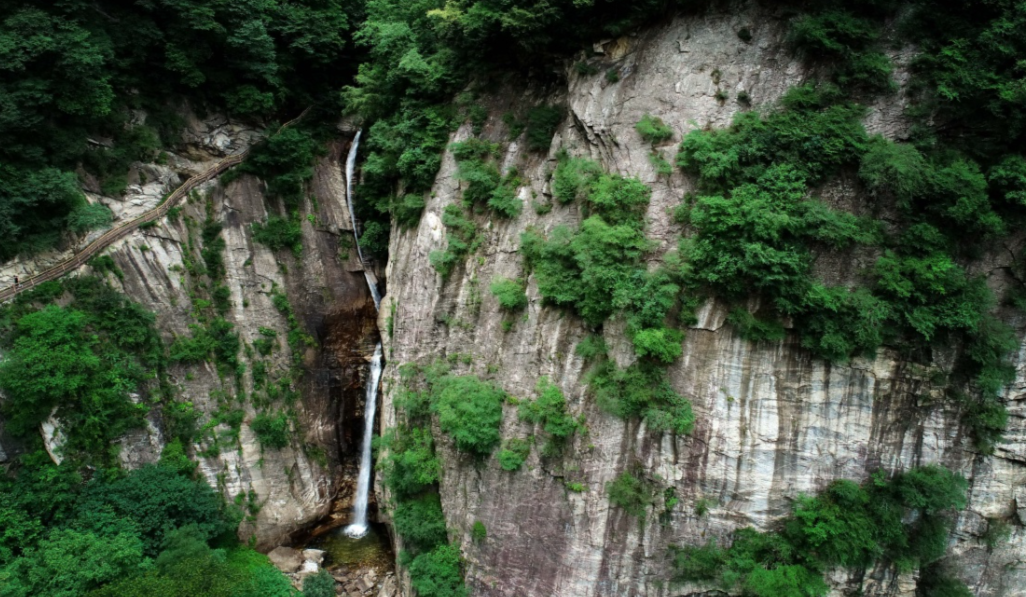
660, 299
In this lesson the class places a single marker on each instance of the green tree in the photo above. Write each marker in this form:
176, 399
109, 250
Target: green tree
470, 411
68, 562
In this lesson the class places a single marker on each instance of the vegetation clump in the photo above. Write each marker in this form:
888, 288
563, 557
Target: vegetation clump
631, 493
279, 233
509, 293
469, 410
901, 520
549, 410
653, 130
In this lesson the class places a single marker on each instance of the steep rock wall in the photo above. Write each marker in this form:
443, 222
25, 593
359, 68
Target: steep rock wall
772, 422
296, 486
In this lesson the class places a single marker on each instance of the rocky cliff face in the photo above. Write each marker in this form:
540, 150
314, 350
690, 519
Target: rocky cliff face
293, 487
772, 422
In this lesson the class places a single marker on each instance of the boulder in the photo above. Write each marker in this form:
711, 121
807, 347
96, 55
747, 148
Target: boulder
286, 559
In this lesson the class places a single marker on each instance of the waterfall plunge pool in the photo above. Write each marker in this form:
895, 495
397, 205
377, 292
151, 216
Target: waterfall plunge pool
372, 550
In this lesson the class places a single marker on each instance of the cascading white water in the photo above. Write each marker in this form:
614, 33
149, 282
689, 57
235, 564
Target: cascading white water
358, 528
350, 167
359, 525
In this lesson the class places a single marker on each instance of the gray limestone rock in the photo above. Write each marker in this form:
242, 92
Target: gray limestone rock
286, 559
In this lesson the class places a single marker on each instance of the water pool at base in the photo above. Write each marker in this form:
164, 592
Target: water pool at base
371, 550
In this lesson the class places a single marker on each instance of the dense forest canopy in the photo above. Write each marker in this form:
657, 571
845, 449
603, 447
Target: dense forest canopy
76, 76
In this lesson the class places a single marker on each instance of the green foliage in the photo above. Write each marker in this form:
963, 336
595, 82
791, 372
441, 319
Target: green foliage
174, 458
104, 264
631, 493
590, 347
213, 248
75, 72
89, 216
478, 532
549, 410
437, 573
285, 162
660, 344
68, 563
374, 238
641, 390
811, 136
420, 523
321, 584
513, 454
153, 500
272, 431
485, 186
752, 328
410, 466
469, 410
588, 270
542, 122
966, 67
653, 130
849, 41
36, 205
80, 361
280, 233
935, 581
462, 239
216, 341
756, 233
902, 520
573, 178
509, 293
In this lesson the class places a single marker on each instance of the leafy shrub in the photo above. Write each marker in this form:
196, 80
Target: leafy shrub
103, 264
410, 466
272, 431
154, 500
70, 562
321, 584
37, 204
437, 573
89, 216
752, 328
660, 344
641, 390
653, 129
420, 522
280, 233
513, 454
542, 122
213, 248
632, 494
469, 410
590, 347
510, 294
549, 409
285, 162
573, 177
374, 239
462, 239
849, 40
846, 525
79, 362
478, 532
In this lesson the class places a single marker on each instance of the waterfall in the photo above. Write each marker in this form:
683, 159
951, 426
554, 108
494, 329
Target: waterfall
359, 525
350, 167
358, 528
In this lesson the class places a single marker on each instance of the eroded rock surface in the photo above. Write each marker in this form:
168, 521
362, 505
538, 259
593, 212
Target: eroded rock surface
772, 422
284, 490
